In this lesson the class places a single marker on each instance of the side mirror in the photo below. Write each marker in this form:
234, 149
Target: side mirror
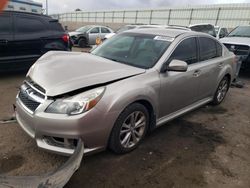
177, 66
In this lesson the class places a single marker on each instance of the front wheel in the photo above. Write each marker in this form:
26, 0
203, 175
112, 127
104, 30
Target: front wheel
82, 43
221, 91
129, 129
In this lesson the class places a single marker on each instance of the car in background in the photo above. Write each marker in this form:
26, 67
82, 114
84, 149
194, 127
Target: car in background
129, 27
132, 83
25, 37
87, 35
221, 32
204, 28
238, 42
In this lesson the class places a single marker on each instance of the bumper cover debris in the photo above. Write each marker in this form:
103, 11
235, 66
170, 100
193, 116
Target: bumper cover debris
56, 179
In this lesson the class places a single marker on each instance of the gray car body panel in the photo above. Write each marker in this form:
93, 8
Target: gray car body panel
85, 70
170, 94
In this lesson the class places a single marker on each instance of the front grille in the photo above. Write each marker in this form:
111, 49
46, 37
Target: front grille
30, 97
238, 49
27, 101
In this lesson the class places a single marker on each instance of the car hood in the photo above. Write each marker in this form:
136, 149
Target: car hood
236, 40
62, 72
74, 33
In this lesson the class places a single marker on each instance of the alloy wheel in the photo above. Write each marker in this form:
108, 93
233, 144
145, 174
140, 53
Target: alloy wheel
132, 129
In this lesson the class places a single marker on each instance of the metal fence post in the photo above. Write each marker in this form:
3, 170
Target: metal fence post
123, 17
169, 15
113, 15
191, 15
136, 15
218, 15
150, 17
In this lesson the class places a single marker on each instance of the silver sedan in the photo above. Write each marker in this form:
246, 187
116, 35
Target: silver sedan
134, 82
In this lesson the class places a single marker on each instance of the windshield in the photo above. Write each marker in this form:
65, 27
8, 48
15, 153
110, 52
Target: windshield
125, 28
83, 29
209, 29
241, 31
137, 50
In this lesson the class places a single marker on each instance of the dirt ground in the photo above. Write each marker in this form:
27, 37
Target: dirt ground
209, 147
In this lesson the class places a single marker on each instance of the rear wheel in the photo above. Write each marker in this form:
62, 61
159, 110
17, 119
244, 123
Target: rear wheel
82, 42
221, 91
129, 129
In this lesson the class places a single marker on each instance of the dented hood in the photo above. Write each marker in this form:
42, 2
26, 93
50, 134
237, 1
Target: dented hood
63, 72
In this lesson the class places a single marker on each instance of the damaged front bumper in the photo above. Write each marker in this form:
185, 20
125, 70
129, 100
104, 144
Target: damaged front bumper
56, 179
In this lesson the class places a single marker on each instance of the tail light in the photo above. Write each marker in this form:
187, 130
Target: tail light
65, 38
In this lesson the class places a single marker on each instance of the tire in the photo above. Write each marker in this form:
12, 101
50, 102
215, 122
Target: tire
120, 142
82, 42
221, 91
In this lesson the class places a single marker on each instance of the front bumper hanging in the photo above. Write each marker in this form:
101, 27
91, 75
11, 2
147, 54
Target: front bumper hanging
56, 179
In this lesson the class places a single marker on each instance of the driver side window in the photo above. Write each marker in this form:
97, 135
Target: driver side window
186, 51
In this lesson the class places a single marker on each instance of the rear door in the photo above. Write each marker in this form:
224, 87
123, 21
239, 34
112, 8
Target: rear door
7, 52
93, 34
210, 65
104, 32
29, 32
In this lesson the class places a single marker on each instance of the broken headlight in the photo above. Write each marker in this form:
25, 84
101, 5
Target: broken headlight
77, 104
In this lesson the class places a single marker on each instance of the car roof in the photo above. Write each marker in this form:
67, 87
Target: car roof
95, 26
168, 32
26, 13
200, 24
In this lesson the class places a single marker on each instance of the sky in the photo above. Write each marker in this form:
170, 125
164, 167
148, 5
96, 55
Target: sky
61, 6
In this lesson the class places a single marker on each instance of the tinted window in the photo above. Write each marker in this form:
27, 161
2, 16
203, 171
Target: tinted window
207, 48
219, 49
104, 30
29, 25
5, 25
186, 51
54, 25
95, 30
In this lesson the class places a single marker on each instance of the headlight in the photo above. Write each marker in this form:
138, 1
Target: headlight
77, 104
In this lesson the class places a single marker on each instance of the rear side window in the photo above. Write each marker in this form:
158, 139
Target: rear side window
55, 26
186, 51
104, 30
29, 25
219, 49
5, 25
208, 49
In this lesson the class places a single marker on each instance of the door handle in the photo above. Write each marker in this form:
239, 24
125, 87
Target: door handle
197, 73
3, 41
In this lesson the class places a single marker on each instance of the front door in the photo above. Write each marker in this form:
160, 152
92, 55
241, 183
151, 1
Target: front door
180, 89
93, 34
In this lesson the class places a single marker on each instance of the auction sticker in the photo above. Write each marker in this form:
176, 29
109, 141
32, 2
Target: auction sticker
164, 38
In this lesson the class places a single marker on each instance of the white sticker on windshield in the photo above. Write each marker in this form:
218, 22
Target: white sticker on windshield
164, 38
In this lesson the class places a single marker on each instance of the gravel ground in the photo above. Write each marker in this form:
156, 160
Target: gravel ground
209, 147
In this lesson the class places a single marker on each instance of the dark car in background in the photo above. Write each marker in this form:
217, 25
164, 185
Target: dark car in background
25, 37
